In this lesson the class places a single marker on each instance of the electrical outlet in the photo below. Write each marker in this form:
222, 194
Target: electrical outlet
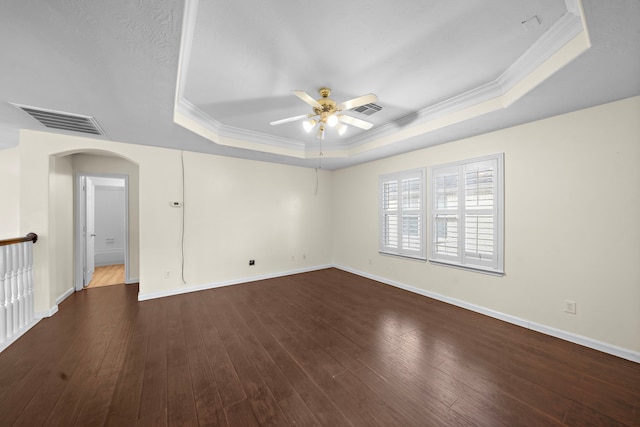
293, 257
570, 307
252, 262
304, 256
166, 274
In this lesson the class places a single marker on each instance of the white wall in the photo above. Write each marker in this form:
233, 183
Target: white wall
110, 213
572, 204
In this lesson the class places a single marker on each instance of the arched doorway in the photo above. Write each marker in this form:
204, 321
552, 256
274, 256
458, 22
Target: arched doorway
105, 169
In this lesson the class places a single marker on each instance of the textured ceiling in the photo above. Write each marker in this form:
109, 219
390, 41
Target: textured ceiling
119, 61
241, 72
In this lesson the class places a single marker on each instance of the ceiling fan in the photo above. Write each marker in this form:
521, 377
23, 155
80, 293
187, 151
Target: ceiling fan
326, 112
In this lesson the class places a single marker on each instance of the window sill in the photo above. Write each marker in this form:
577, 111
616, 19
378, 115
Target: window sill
475, 269
405, 256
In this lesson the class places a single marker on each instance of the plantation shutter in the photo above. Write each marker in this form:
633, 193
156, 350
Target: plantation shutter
446, 217
467, 213
390, 214
402, 213
479, 241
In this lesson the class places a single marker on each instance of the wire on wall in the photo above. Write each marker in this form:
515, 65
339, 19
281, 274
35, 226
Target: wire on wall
184, 207
319, 167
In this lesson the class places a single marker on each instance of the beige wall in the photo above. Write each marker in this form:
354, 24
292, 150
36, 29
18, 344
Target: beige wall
61, 225
237, 210
572, 201
228, 206
9, 193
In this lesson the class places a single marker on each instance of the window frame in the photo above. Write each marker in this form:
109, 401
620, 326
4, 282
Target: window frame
463, 258
401, 250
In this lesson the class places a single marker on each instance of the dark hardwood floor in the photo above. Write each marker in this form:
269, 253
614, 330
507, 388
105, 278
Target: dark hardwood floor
322, 348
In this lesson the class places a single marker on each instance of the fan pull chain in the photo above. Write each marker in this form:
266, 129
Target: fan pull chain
319, 167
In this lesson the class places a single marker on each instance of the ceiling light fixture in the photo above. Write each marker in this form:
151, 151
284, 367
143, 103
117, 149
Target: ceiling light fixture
308, 125
325, 111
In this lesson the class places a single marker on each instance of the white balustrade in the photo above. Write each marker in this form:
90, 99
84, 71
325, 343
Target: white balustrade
16, 286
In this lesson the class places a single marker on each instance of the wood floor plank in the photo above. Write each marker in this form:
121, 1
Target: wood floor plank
229, 388
181, 408
43, 402
259, 397
297, 411
344, 351
207, 400
320, 348
107, 275
260, 359
241, 414
153, 396
316, 368
321, 406
126, 397
102, 323
395, 394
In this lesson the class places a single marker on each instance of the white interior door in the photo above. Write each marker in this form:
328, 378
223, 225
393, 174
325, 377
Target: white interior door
90, 230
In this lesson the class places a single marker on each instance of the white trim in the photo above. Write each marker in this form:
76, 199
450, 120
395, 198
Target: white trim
10, 340
452, 264
172, 292
132, 281
398, 177
512, 84
65, 295
44, 314
623, 353
459, 168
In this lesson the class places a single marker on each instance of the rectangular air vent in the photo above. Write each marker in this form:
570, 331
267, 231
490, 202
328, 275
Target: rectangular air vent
63, 121
368, 109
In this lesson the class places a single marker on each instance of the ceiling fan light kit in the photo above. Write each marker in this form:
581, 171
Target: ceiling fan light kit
325, 113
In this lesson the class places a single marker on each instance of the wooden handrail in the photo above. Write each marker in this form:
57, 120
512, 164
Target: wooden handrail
31, 237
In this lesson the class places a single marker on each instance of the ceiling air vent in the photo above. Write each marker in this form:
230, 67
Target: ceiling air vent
63, 121
368, 109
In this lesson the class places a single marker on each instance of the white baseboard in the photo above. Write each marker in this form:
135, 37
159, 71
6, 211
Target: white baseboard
547, 330
172, 292
37, 316
66, 295
43, 314
109, 257
132, 281
14, 338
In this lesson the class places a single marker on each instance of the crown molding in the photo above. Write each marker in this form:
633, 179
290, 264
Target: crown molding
516, 81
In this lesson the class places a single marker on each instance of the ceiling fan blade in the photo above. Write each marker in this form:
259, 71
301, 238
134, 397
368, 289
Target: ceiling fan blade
290, 119
355, 122
307, 98
356, 102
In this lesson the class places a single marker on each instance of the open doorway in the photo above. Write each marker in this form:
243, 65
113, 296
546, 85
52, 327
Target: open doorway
101, 230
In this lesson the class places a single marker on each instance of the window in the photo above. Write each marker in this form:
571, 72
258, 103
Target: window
466, 213
402, 214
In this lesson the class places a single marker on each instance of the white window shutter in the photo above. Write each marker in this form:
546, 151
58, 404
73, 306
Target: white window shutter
402, 230
467, 211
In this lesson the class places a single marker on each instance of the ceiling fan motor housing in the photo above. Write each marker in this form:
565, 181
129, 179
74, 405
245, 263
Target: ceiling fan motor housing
328, 104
